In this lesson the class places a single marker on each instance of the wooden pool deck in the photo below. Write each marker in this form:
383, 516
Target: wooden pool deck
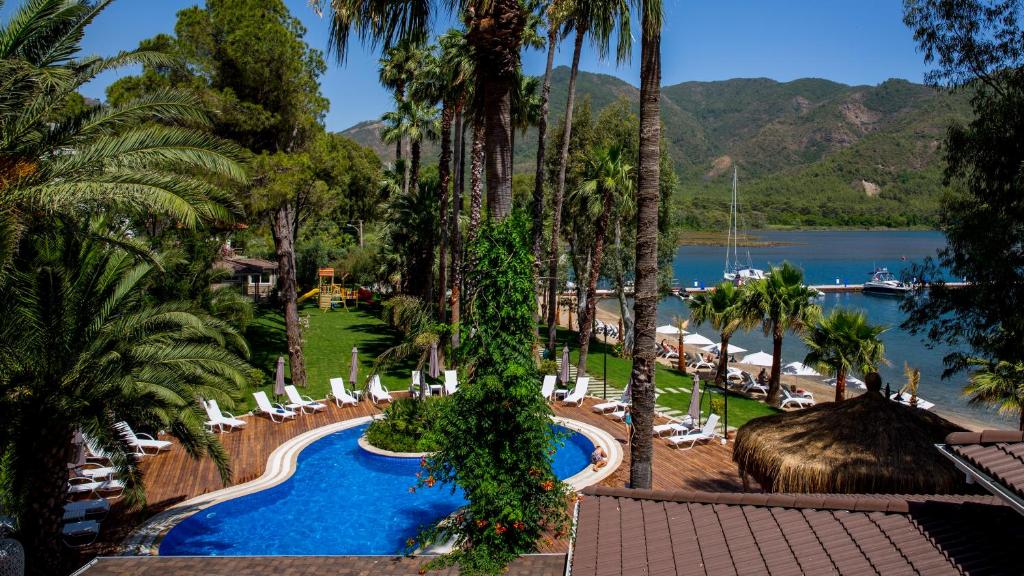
173, 477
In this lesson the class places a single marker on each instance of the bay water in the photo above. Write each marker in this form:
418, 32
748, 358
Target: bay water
849, 257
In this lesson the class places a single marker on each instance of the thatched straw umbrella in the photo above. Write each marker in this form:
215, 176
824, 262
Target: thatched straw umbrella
862, 445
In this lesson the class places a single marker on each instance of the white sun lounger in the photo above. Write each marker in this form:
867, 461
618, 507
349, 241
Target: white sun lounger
79, 534
378, 393
340, 395
547, 388
750, 386
141, 441
675, 427
609, 406
451, 381
218, 419
578, 393
91, 470
82, 485
705, 434
619, 413
790, 399
277, 412
702, 364
303, 403
79, 510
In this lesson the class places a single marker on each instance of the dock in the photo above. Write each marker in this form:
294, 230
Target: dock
687, 292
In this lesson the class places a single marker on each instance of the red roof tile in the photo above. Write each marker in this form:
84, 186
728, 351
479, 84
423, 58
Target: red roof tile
996, 453
694, 533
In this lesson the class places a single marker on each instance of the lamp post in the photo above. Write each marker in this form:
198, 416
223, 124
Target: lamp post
725, 429
605, 370
358, 229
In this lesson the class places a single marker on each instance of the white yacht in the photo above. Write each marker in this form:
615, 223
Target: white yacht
734, 271
885, 282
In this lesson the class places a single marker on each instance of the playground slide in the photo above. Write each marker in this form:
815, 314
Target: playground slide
308, 295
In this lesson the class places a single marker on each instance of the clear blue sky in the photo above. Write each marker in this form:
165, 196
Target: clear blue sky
855, 42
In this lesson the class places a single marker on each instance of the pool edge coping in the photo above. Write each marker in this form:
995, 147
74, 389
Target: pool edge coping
282, 463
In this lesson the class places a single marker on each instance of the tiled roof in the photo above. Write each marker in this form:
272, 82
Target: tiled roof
623, 531
240, 264
997, 453
533, 565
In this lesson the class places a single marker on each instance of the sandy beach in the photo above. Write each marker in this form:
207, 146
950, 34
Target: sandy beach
822, 392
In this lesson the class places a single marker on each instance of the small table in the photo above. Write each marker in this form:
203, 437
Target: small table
357, 394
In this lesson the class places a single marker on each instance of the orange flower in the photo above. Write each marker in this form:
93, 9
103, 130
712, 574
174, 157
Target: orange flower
499, 528
518, 525
429, 482
410, 542
481, 523
423, 461
547, 485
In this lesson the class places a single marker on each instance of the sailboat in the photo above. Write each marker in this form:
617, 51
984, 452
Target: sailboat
736, 272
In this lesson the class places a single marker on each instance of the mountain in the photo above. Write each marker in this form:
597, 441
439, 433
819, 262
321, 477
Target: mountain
809, 152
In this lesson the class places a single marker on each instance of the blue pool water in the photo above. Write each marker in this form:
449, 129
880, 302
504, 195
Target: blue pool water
340, 500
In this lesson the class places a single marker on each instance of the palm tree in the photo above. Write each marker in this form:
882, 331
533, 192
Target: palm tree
494, 31
607, 176
83, 348
842, 342
411, 233
783, 302
646, 285
722, 308
398, 67
414, 121
525, 104
1000, 384
53, 161
598, 18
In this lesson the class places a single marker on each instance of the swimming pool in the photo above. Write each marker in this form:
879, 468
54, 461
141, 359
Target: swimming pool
340, 500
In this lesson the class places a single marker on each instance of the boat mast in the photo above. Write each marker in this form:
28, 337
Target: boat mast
735, 221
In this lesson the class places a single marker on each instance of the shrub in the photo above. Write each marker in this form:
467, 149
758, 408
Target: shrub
407, 426
548, 367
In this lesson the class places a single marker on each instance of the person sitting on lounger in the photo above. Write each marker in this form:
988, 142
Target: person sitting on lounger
762, 377
599, 457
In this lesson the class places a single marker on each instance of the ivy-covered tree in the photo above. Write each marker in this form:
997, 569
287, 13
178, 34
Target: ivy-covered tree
505, 472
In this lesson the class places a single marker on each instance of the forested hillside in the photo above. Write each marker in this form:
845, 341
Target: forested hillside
809, 152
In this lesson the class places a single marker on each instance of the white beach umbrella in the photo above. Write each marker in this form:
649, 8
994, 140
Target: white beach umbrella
717, 348
798, 369
669, 330
851, 382
758, 359
697, 340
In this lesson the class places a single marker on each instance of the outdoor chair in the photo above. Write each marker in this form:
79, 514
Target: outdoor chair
578, 393
81, 485
276, 412
790, 399
96, 507
378, 393
705, 434
547, 388
141, 441
302, 403
220, 420
677, 427
340, 395
80, 534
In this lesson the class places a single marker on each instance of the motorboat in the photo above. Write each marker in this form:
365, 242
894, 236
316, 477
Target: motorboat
885, 282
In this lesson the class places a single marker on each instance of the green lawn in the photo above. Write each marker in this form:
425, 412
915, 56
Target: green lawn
741, 409
328, 348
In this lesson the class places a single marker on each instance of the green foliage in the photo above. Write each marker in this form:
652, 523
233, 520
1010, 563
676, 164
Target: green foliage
408, 425
978, 48
548, 366
845, 340
505, 472
716, 405
998, 385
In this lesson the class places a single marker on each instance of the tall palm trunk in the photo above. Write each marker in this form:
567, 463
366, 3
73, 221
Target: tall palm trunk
776, 375
596, 255
840, 384
625, 312
542, 129
723, 360
42, 485
399, 98
444, 175
456, 234
556, 212
476, 179
414, 173
282, 228
495, 33
646, 296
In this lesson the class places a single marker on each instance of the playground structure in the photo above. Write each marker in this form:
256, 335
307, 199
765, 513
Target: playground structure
331, 295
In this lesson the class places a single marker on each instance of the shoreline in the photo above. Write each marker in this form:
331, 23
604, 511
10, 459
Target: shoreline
822, 392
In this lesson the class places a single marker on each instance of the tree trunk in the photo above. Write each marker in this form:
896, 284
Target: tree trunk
498, 143
284, 244
414, 174
625, 312
476, 179
556, 212
597, 254
723, 361
776, 376
840, 384
681, 361
642, 383
456, 233
42, 482
538, 177
444, 173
